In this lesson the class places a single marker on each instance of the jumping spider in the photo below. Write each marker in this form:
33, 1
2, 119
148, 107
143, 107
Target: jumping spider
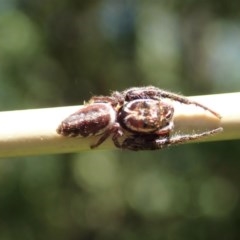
141, 112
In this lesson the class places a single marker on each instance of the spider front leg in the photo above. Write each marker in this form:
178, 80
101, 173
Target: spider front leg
159, 94
184, 100
154, 142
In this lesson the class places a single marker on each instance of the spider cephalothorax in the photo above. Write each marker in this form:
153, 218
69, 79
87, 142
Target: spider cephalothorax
146, 116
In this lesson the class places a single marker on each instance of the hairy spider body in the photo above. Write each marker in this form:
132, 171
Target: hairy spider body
142, 112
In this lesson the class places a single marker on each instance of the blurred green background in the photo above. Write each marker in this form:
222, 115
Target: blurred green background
61, 52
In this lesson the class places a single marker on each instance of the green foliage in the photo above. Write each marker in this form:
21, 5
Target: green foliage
55, 53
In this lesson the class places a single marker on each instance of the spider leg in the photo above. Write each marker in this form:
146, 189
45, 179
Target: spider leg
118, 96
185, 100
115, 140
158, 94
154, 142
138, 142
104, 99
179, 139
165, 131
115, 130
140, 93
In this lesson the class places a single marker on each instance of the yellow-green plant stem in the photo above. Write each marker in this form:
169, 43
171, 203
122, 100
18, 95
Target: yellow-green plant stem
33, 132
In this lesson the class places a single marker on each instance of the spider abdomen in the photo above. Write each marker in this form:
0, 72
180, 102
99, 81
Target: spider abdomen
91, 120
